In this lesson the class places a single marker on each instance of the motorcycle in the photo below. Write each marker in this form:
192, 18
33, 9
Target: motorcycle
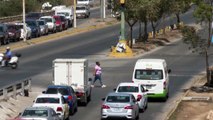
13, 62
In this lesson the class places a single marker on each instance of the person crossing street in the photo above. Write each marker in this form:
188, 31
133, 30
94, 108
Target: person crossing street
97, 75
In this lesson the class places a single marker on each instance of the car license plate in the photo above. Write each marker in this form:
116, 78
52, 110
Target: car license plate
116, 109
148, 86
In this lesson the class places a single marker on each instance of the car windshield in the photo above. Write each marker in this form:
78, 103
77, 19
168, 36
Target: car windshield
149, 74
80, 8
63, 91
47, 19
128, 89
35, 113
118, 99
31, 23
11, 27
47, 100
63, 13
20, 26
1, 29
33, 15
41, 22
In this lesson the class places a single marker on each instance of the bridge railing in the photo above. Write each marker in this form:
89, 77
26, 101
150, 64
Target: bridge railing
12, 90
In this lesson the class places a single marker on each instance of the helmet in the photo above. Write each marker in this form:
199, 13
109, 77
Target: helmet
8, 48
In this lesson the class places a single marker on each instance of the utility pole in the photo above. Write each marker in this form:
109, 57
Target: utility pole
24, 21
122, 2
74, 14
103, 11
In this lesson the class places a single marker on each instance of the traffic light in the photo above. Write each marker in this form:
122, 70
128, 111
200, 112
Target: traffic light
122, 2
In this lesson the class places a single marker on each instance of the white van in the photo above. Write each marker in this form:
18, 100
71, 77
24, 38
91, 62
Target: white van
153, 75
86, 2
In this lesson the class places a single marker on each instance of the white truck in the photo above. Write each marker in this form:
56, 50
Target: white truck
73, 72
68, 13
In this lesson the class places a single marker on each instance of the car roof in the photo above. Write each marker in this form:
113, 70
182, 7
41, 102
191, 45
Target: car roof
49, 95
46, 17
58, 86
38, 108
118, 94
128, 84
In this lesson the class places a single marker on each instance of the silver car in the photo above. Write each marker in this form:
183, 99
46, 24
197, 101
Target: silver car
120, 105
43, 27
38, 113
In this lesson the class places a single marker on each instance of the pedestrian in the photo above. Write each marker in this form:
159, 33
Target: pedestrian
97, 75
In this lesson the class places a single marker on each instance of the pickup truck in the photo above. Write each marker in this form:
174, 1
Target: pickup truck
82, 11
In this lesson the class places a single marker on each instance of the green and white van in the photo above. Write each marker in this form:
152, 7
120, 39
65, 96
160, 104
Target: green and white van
153, 75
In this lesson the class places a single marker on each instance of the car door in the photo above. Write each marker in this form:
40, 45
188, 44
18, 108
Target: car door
73, 95
144, 94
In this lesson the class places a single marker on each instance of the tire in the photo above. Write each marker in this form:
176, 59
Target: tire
14, 66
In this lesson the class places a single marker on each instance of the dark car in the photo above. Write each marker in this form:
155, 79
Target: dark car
34, 15
67, 92
3, 34
58, 22
35, 28
14, 32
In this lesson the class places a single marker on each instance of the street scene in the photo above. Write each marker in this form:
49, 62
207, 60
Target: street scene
106, 59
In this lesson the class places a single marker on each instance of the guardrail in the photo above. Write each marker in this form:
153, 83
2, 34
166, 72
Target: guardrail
12, 90
20, 17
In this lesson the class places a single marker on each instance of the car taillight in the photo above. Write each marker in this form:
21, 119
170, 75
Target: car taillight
139, 97
128, 107
105, 107
59, 109
164, 85
69, 97
79, 94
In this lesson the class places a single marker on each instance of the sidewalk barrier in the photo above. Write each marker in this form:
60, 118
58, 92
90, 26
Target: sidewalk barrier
20, 87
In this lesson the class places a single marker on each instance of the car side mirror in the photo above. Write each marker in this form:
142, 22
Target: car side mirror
169, 70
90, 80
138, 99
145, 90
103, 99
43, 92
114, 89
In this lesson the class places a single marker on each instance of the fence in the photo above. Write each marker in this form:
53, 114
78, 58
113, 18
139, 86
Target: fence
20, 17
20, 87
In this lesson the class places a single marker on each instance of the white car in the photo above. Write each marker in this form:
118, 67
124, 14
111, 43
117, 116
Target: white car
55, 101
50, 23
139, 92
29, 31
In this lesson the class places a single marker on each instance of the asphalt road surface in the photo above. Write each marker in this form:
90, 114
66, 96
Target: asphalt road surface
36, 63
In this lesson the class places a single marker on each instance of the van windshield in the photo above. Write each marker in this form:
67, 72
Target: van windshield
143, 74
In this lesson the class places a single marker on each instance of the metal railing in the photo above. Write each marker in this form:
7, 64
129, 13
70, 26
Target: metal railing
12, 90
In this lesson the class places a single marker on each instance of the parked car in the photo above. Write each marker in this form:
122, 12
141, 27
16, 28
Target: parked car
28, 30
3, 34
139, 92
51, 23
64, 20
68, 13
55, 101
43, 27
82, 11
34, 15
14, 32
67, 92
58, 23
33, 24
38, 113
120, 105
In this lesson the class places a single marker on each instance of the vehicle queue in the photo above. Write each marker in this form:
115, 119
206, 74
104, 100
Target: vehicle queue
129, 99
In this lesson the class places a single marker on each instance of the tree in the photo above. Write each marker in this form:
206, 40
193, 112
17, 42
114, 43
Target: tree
203, 13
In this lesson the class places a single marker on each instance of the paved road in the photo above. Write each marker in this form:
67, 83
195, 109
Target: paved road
37, 63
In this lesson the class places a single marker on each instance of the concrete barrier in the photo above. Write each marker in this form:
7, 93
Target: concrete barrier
20, 87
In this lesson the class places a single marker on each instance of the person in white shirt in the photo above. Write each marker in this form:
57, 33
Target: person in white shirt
97, 75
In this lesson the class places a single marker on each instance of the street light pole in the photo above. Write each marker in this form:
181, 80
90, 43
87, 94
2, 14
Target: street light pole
24, 22
74, 13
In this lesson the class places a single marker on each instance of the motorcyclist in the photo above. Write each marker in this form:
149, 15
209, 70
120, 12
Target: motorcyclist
7, 56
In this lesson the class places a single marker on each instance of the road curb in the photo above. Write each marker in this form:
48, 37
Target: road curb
170, 113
